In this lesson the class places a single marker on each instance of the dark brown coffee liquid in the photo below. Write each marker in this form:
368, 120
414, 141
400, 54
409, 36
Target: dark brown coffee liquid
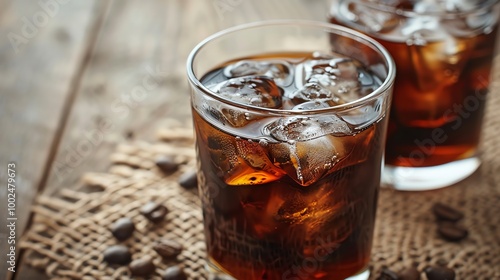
437, 120
280, 202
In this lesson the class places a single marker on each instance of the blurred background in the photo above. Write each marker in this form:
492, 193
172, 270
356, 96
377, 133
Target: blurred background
78, 77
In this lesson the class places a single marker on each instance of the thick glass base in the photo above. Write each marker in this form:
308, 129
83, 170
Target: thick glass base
215, 273
428, 178
364, 275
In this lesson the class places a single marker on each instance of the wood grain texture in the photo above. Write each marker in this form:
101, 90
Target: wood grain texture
41, 50
134, 79
136, 75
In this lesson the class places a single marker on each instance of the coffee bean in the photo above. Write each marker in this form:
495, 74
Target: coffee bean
154, 212
123, 228
452, 232
117, 254
142, 267
129, 134
188, 179
167, 164
445, 212
168, 248
174, 273
409, 273
439, 273
387, 274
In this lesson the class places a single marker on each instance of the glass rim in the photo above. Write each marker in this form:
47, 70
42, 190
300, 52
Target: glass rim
487, 5
328, 27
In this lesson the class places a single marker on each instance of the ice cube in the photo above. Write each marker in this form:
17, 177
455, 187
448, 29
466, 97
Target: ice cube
299, 213
237, 161
310, 211
419, 31
461, 5
440, 63
338, 78
246, 68
367, 79
222, 151
443, 6
437, 56
361, 118
310, 91
356, 147
212, 112
316, 104
326, 71
227, 115
254, 166
480, 22
306, 162
370, 19
346, 68
280, 71
307, 128
255, 203
293, 211
261, 205
223, 114
258, 91
317, 55
308, 206
236, 118
344, 215
349, 90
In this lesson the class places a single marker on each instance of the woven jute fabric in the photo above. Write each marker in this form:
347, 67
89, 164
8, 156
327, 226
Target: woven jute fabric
71, 230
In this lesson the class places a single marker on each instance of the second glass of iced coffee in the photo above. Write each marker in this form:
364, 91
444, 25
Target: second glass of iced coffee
290, 120
444, 51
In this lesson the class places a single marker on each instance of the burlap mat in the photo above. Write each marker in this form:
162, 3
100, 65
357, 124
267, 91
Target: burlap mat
70, 231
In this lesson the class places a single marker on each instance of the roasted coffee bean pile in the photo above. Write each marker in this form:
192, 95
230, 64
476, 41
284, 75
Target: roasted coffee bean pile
168, 165
154, 212
124, 228
447, 219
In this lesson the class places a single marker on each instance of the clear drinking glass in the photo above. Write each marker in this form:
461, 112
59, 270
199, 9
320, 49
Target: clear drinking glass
444, 51
290, 120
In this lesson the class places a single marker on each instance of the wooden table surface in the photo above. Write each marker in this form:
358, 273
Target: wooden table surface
78, 77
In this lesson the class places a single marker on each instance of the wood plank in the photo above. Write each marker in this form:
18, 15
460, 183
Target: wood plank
41, 50
143, 41
3, 8
136, 76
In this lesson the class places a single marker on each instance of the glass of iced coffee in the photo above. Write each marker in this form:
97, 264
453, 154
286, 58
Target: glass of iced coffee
290, 120
444, 52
